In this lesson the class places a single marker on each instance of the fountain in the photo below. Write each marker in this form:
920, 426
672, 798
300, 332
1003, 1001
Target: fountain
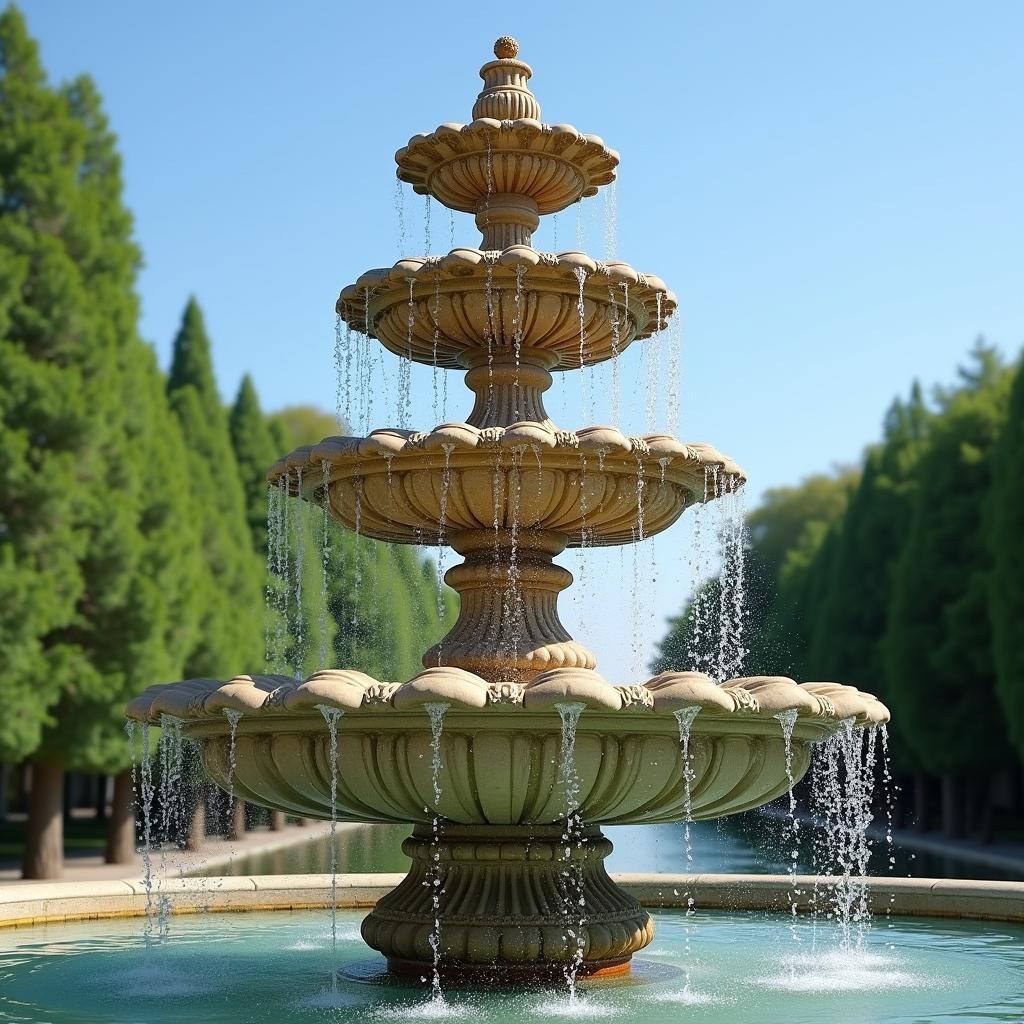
509, 751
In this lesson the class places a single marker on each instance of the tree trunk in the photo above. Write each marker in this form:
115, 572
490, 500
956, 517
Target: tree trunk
5, 772
236, 828
952, 807
277, 821
44, 836
921, 802
197, 823
120, 847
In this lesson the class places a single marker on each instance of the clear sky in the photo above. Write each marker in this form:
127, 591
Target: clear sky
832, 190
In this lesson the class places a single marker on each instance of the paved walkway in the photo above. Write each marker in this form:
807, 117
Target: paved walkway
215, 854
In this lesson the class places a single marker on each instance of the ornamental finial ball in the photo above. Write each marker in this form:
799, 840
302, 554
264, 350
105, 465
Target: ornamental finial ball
506, 48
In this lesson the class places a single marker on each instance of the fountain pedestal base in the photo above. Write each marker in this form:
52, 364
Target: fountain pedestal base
511, 899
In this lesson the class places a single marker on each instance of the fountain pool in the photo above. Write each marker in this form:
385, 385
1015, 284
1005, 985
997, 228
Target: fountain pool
711, 966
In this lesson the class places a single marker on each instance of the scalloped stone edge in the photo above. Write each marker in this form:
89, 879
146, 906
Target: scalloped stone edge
608, 443
425, 151
352, 691
351, 304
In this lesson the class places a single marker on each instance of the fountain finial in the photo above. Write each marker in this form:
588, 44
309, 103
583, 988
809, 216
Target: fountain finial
506, 48
506, 96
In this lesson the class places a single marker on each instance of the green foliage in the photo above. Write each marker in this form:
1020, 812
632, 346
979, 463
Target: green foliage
1005, 536
230, 636
938, 651
255, 452
93, 579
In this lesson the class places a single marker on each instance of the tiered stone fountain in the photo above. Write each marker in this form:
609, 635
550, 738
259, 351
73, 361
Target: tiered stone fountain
508, 490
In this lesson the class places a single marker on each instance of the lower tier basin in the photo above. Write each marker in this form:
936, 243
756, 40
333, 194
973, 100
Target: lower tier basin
710, 967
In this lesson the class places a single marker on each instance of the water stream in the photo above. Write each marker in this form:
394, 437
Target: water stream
574, 896
436, 713
332, 716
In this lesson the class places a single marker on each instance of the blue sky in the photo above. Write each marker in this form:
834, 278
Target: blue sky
833, 192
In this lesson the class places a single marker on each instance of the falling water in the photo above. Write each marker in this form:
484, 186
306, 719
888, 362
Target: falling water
436, 713
518, 336
788, 721
674, 398
357, 554
331, 717
580, 232
341, 385
611, 221
442, 520
685, 717
581, 310
637, 590
147, 793
616, 371
435, 315
426, 224
298, 563
651, 354
697, 654
513, 598
451, 229
583, 578
325, 559
405, 363
575, 897
400, 216
270, 590
490, 258
844, 767
731, 589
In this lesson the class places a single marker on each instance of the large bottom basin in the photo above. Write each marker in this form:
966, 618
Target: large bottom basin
712, 966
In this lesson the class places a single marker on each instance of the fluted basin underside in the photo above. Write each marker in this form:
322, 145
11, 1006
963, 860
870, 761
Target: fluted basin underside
501, 743
500, 765
561, 310
595, 486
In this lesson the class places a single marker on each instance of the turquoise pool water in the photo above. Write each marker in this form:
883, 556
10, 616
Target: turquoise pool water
713, 967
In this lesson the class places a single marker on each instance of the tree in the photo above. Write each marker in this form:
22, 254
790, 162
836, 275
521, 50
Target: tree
381, 599
938, 660
1005, 536
846, 644
231, 631
255, 452
89, 566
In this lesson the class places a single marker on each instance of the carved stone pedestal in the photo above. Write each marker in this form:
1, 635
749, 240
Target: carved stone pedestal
509, 897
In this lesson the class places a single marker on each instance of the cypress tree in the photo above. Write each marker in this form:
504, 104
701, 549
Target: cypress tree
231, 629
1005, 535
846, 644
90, 601
938, 645
255, 452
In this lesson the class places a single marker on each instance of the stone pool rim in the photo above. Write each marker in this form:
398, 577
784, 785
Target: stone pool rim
30, 904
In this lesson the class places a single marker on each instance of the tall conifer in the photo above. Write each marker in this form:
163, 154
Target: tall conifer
229, 639
1005, 534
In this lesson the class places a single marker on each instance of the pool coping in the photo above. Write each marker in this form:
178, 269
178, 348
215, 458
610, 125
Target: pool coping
54, 902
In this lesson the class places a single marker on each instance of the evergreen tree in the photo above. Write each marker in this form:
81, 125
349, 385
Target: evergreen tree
381, 599
255, 451
230, 637
940, 675
1005, 534
846, 644
91, 578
